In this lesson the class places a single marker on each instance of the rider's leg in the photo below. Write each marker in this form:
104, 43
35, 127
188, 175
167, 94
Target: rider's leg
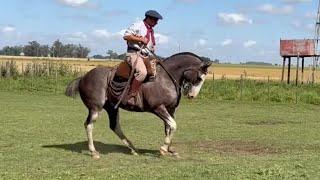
140, 74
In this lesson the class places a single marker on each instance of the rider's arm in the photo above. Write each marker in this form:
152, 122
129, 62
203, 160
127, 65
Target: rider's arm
135, 39
133, 34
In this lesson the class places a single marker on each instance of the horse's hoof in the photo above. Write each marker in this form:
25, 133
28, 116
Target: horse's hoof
163, 152
95, 155
134, 153
175, 154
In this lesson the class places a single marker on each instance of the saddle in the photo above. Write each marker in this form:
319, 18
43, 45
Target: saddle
121, 76
124, 69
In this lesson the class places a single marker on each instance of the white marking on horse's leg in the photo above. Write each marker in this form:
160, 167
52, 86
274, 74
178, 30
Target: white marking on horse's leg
172, 123
89, 129
169, 130
167, 141
196, 89
95, 115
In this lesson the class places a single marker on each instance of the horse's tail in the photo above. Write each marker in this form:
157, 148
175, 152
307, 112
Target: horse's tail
72, 89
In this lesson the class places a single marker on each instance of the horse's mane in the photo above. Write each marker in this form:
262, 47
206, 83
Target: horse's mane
184, 53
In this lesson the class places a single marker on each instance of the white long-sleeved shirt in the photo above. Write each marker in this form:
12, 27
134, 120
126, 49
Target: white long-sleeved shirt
138, 29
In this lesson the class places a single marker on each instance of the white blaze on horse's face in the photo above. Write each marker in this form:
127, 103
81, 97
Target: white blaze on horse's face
195, 89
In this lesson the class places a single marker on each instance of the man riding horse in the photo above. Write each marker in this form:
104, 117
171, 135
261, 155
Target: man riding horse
140, 40
100, 88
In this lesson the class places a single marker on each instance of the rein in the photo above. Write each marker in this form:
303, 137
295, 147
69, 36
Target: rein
176, 84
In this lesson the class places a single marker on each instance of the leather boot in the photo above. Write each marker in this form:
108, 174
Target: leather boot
133, 92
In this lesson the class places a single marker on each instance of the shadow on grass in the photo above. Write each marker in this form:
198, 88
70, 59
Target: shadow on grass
103, 148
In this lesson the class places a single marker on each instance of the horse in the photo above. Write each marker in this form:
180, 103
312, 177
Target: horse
177, 73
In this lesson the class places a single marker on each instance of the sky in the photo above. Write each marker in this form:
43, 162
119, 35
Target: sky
229, 30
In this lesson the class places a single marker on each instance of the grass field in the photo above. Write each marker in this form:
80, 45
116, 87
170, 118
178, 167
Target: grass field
42, 137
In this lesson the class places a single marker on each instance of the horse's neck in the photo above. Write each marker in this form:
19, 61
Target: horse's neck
176, 70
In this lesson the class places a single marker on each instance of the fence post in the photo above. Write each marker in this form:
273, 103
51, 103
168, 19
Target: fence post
268, 88
213, 85
56, 79
241, 86
297, 94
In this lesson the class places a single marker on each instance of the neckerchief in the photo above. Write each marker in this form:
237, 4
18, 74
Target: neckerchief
150, 33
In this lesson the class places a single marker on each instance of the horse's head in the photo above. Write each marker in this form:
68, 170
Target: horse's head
194, 78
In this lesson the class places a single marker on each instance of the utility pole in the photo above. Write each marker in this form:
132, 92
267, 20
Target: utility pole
316, 39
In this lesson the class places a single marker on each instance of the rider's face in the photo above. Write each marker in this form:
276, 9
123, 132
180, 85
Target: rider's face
153, 22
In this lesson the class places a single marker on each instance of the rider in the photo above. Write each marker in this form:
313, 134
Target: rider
140, 35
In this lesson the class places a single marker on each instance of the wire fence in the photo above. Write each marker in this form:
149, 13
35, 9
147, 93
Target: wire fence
53, 77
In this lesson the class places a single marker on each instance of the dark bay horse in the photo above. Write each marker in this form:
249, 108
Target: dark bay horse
160, 97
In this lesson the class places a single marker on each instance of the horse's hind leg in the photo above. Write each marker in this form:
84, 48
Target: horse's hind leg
88, 124
116, 128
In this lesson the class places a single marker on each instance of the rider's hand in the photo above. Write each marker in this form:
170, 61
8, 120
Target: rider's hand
144, 40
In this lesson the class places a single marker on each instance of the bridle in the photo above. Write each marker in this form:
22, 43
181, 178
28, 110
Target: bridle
175, 82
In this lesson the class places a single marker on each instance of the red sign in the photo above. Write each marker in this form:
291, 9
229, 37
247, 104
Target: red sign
303, 47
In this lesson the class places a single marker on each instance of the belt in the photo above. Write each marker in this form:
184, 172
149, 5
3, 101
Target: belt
135, 50
132, 49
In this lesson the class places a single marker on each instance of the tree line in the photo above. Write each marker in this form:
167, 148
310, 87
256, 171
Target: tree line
58, 49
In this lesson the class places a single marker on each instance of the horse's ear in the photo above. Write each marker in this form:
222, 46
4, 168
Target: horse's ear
205, 66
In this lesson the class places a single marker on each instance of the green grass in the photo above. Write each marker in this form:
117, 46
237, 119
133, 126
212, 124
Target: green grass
42, 137
233, 90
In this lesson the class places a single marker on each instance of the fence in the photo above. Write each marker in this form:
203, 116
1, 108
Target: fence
53, 78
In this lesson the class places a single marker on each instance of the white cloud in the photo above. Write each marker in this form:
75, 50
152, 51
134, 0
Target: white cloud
311, 15
226, 42
8, 29
101, 33
202, 42
296, 1
296, 24
249, 43
161, 39
187, 1
77, 36
310, 26
234, 18
74, 3
270, 9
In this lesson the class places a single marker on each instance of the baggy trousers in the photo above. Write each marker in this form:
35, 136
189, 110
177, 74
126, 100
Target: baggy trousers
136, 61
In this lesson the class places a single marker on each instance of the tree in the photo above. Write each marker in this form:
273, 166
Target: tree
70, 50
216, 61
122, 56
57, 49
112, 54
44, 51
82, 52
32, 49
98, 56
11, 51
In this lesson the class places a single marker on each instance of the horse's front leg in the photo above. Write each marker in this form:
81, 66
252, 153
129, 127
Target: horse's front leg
170, 128
167, 148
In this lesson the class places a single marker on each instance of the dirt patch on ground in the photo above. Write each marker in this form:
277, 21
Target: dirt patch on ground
237, 147
270, 122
